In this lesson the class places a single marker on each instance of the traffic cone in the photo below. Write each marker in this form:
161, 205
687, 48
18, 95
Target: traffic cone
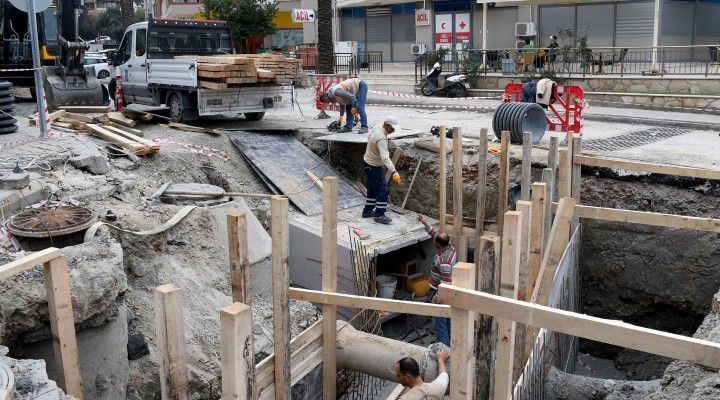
118, 90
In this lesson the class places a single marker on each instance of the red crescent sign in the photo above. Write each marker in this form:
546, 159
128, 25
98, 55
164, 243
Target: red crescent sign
442, 26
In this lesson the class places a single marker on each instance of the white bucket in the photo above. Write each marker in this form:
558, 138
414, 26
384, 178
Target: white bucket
386, 285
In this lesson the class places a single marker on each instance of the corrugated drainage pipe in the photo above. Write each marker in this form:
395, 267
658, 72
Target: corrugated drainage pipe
518, 118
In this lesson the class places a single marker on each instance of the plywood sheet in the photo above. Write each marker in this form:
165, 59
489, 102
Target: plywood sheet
283, 161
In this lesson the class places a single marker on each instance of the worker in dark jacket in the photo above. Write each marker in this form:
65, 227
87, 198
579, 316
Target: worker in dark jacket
351, 94
544, 92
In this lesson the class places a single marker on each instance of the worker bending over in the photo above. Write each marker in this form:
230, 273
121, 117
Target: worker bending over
351, 94
544, 92
377, 155
407, 371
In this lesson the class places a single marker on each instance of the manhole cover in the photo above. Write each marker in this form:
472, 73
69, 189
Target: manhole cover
633, 139
57, 221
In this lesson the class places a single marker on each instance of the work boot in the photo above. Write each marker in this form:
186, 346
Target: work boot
344, 129
363, 129
369, 214
383, 219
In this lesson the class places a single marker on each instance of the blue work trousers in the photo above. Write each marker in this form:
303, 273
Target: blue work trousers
360, 105
377, 191
442, 330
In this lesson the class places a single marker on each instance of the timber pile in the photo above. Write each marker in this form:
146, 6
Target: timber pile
234, 70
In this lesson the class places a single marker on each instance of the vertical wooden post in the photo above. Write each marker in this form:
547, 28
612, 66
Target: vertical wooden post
503, 180
526, 167
62, 326
329, 284
553, 153
239, 262
481, 193
237, 362
462, 338
170, 337
281, 300
569, 165
458, 189
549, 179
537, 229
576, 179
443, 180
508, 288
525, 208
563, 175
488, 280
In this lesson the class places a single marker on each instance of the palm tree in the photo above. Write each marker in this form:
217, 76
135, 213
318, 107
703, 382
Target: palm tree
325, 37
128, 14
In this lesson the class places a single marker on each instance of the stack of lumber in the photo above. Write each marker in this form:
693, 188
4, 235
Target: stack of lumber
233, 70
128, 141
286, 69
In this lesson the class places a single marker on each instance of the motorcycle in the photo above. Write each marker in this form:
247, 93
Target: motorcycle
456, 85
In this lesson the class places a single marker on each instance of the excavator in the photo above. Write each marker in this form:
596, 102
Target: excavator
62, 51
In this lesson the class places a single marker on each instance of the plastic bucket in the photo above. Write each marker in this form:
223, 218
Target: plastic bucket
386, 285
507, 65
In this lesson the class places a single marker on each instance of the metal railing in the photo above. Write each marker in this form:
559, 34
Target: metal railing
631, 61
349, 63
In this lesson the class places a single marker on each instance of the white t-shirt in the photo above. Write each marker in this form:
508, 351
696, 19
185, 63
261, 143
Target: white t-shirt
434, 390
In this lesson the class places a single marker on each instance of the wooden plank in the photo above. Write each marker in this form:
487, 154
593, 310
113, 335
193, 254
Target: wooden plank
396, 392
281, 302
315, 180
265, 73
442, 157
131, 136
613, 332
119, 118
559, 236
170, 337
135, 147
74, 124
648, 218
525, 208
458, 190
29, 261
60, 124
481, 192
395, 158
569, 165
509, 282
461, 337
237, 362
80, 117
329, 284
126, 129
488, 281
212, 85
503, 179
537, 232
526, 179
562, 176
553, 153
674, 170
62, 324
576, 180
86, 109
371, 303
238, 254
225, 59
549, 179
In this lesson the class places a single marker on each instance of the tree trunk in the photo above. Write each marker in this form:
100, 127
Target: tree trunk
127, 12
325, 38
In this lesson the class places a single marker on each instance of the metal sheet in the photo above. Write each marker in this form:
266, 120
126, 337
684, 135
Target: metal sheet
284, 161
354, 137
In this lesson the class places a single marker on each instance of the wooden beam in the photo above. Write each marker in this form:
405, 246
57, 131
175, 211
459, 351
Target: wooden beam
458, 190
525, 208
86, 109
396, 392
442, 157
701, 173
559, 236
396, 157
537, 229
488, 281
239, 262
315, 180
281, 301
613, 332
509, 282
80, 117
647, 218
503, 180
62, 324
371, 303
170, 337
576, 182
526, 179
461, 337
568, 164
549, 179
481, 192
237, 363
329, 284
29, 261
553, 153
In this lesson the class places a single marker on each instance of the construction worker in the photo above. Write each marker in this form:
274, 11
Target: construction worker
407, 371
441, 272
377, 155
351, 94
544, 92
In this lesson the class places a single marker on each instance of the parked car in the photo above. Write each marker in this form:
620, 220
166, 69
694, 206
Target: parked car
101, 40
98, 65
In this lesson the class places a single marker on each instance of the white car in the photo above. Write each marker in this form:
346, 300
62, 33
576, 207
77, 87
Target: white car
101, 40
98, 65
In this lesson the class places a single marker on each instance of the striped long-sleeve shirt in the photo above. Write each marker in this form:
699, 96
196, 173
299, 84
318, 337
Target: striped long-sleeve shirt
443, 262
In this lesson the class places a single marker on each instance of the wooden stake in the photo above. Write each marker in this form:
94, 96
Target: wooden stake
481, 194
576, 179
549, 179
509, 281
553, 153
239, 262
329, 284
568, 166
315, 180
525, 208
62, 325
562, 175
442, 156
503, 179
462, 338
537, 229
457, 188
237, 362
526, 167
281, 301
488, 281
170, 337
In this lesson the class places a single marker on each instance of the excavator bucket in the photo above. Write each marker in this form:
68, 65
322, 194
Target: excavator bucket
72, 90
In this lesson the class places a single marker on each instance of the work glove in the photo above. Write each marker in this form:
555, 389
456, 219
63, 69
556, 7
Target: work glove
340, 120
354, 111
396, 177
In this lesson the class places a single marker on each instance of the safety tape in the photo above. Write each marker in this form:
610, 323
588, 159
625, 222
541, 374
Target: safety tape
414, 96
437, 106
195, 148
21, 69
660, 106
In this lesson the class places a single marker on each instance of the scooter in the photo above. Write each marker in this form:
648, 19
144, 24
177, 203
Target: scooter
456, 85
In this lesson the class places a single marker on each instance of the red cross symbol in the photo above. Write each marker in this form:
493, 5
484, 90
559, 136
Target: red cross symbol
462, 24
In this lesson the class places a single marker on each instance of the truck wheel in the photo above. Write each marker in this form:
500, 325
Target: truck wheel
103, 74
176, 109
254, 116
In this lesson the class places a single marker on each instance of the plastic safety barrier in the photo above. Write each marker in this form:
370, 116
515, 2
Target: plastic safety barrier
566, 113
325, 82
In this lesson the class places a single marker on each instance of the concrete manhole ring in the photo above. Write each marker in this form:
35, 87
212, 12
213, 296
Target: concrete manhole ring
51, 221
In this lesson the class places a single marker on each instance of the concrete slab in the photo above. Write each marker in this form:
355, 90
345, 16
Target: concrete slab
10, 180
13, 200
354, 137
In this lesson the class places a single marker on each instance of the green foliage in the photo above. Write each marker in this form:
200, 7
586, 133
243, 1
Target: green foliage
139, 15
247, 18
471, 63
88, 24
437, 56
109, 23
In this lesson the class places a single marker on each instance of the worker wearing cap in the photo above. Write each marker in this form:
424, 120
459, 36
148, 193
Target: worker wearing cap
377, 155
351, 95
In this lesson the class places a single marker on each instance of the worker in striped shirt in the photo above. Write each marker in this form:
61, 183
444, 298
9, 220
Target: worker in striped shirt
440, 273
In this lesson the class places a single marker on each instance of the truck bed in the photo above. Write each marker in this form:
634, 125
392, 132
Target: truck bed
172, 72
245, 99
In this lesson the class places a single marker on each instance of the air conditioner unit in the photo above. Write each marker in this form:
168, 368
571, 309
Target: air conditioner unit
519, 44
523, 29
418, 48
